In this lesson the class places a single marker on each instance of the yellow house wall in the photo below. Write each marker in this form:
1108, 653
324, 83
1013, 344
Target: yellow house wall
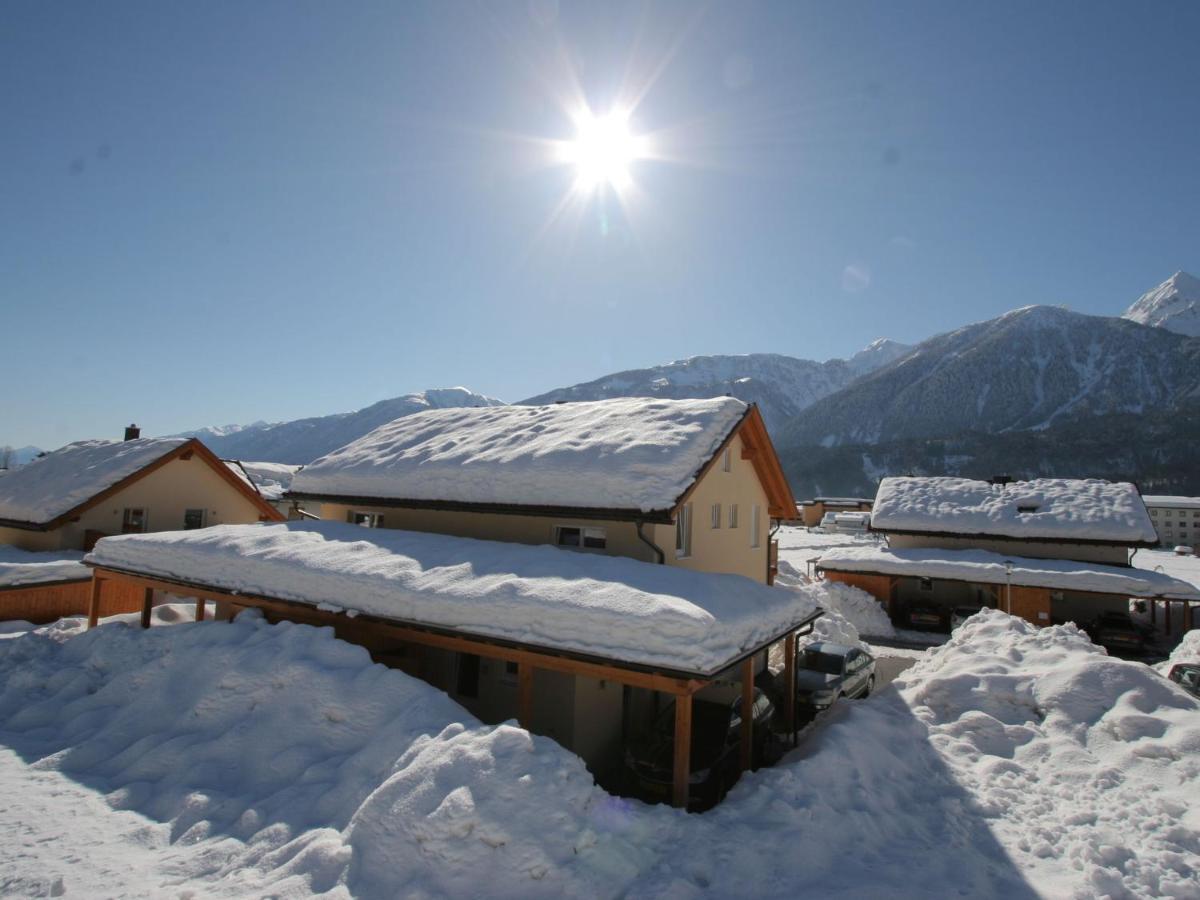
165, 493
724, 549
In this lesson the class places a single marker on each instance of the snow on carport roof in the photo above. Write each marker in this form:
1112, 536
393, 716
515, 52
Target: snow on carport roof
604, 606
629, 454
984, 567
58, 482
1070, 509
19, 568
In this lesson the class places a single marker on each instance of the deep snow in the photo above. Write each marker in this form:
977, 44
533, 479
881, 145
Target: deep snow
241, 759
23, 567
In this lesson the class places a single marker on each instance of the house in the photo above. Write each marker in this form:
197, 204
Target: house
271, 480
1176, 519
68, 499
577, 646
1048, 549
811, 513
688, 483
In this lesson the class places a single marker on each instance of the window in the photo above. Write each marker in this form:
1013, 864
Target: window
1154, 513
725, 460
193, 518
716, 515
927, 584
468, 675
579, 537
134, 521
366, 520
733, 515
683, 532
755, 525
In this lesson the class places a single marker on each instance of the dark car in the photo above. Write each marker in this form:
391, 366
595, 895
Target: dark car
828, 672
1187, 676
716, 747
1116, 631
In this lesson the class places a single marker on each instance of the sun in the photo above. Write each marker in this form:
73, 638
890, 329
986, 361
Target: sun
603, 150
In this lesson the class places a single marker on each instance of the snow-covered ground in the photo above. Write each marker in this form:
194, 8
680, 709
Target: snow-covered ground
235, 759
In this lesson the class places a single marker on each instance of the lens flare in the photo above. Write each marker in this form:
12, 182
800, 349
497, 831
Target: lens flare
602, 151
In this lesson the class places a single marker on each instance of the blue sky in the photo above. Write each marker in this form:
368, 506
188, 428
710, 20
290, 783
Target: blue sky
228, 211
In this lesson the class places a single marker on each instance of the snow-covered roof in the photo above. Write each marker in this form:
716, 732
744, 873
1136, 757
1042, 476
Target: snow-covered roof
1176, 502
1070, 509
626, 454
270, 479
984, 567
19, 567
835, 500
58, 482
607, 606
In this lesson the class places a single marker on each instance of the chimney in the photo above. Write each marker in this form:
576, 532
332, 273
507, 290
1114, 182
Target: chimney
132, 433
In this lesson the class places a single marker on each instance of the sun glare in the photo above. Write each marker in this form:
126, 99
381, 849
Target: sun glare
603, 150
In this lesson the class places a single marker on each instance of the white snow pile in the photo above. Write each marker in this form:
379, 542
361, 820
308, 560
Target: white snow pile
852, 604
1083, 764
1074, 508
603, 605
23, 567
270, 479
632, 453
58, 482
1186, 651
985, 567
246, 759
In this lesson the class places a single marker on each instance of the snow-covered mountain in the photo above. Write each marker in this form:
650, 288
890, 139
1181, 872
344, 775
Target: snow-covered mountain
1174, 305
1024, 370
781, 385
303, 440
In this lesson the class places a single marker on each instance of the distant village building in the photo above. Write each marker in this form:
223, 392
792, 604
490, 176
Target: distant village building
812, 512
689, 483
1049, 549
1176, 519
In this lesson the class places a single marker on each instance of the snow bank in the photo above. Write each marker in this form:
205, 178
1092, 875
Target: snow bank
1082, 763
852, 604
59, 481
21, 567
604, 605
630, 453
1186, 651
985, 567
247, 759
1068, 508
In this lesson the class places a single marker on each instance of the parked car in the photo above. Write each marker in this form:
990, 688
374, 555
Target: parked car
960, 614
933, 618
1185, 550
1187, 676
828, 672
1116, 631
716, 747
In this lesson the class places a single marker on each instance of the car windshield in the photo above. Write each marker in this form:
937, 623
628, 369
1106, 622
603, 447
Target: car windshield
827, 663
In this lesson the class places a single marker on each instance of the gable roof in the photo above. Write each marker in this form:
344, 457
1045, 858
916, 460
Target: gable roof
1073, 510
621, 458
61, 485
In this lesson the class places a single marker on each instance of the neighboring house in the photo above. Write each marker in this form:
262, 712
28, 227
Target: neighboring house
272, 480
1049, 549
811, 512
68, 499
688, 483
1176, 519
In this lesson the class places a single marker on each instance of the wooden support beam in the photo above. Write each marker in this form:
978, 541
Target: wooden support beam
525, 694
1167, 616
683, 750
789, 681
147, 605
200, 601
747, 741
1153, 612
1187, 616
94, 601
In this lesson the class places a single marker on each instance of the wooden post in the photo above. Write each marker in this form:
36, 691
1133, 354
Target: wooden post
789, 689
1187, 616
200, 609
147, 605
747, 743
94, 602
683, 749
1167, 617
525, 694
1153, 611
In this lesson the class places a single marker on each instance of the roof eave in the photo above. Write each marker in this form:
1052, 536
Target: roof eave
991, 536
657, 516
